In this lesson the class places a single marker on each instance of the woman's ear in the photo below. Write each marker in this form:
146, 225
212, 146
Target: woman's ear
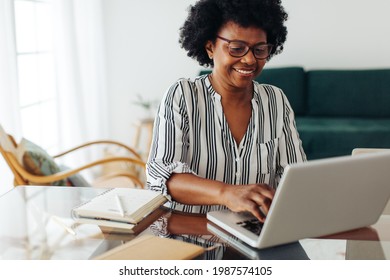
210, 49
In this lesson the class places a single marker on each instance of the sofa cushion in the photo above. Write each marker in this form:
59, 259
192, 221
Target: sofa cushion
326, 137
349, 93
292, 80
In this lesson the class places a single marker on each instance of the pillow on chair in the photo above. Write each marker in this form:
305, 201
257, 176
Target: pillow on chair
75, 180
37, 161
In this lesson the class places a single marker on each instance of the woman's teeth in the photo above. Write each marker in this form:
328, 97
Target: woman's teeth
246, 72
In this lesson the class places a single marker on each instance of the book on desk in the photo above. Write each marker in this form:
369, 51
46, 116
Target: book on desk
150, 247
120, 209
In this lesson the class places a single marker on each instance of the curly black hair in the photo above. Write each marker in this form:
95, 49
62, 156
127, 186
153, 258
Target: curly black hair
206, 17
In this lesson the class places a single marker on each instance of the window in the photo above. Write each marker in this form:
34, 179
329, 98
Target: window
36, 72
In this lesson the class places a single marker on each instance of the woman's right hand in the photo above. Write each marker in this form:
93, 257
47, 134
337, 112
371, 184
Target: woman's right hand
254, 198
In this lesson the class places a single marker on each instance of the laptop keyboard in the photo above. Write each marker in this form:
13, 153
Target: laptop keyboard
253, 225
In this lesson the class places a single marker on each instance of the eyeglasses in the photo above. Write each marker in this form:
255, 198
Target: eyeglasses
239, 48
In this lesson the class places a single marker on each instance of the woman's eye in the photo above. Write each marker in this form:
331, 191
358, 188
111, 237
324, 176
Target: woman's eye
237, 49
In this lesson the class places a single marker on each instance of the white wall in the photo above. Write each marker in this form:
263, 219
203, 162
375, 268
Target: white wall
144, 56
337, 34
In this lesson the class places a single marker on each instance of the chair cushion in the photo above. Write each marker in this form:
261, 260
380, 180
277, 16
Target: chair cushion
37, 161
75, 180
5, 142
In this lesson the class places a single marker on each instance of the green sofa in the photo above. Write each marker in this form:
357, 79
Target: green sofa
336, 110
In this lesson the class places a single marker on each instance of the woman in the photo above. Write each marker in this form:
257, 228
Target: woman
223, 140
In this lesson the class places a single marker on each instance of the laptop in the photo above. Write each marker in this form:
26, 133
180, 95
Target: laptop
316, 198
291, 251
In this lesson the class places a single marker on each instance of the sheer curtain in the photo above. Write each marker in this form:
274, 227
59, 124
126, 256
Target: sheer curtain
9, 117
80, 73
80, 62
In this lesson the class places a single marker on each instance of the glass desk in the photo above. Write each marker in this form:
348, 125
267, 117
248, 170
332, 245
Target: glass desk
36, 223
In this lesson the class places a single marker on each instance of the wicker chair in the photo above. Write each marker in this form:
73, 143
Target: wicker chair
23, 176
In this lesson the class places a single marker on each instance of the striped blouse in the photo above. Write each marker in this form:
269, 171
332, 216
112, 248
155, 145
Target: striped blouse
191, 135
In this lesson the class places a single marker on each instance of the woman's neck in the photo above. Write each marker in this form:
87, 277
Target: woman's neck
232, 95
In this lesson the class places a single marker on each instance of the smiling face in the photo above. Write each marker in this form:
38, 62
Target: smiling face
235, 73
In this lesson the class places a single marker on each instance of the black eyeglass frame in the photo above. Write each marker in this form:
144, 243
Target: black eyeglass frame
270, 47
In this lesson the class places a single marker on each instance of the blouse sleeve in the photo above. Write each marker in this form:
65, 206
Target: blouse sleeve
290, 144
170, 140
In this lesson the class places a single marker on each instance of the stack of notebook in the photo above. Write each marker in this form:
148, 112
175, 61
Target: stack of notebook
122, 209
